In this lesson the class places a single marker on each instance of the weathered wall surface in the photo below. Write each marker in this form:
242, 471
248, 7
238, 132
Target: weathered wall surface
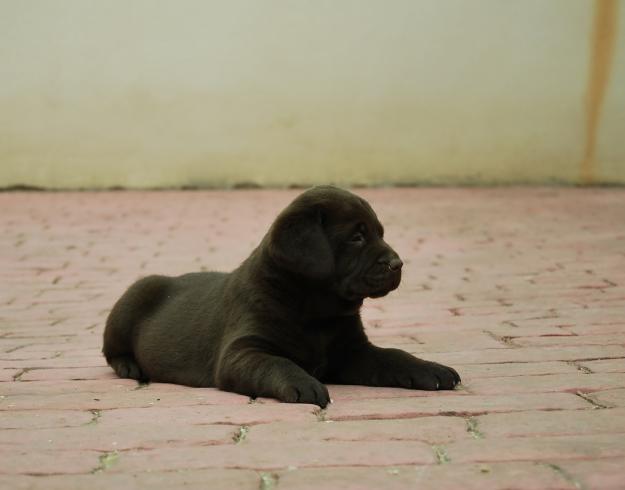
156, 93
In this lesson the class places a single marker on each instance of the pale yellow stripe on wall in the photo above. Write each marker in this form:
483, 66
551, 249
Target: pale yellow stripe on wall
602, 50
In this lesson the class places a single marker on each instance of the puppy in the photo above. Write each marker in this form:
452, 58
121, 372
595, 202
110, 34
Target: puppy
284, 322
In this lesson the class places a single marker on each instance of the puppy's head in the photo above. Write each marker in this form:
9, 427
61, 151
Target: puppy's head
333, 238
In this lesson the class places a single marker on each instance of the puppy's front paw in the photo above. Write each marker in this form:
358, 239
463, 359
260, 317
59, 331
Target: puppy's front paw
305, 390
428, 375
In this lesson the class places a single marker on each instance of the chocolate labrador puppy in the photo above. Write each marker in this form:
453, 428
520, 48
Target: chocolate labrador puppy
284, 322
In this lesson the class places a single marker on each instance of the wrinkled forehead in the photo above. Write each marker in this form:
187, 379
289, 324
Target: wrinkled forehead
353, 211
341, 207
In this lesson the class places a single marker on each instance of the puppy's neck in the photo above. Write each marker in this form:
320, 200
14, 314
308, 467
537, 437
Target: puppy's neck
309, 299
328, 305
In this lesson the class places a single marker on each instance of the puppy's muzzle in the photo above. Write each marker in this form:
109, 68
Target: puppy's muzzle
385, 277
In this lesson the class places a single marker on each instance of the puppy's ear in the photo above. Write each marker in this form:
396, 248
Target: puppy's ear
298, 242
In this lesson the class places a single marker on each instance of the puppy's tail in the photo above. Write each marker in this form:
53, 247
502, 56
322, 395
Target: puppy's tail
124, 319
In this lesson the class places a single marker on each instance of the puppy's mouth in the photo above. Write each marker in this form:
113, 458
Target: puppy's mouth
388, 284
374, 287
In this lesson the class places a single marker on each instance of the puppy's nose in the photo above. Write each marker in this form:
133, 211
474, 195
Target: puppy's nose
395, 264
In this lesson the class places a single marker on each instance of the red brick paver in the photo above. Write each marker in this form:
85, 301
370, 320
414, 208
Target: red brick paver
521, 290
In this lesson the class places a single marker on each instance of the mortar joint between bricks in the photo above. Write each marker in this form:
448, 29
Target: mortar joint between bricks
472, 428
565, 474
95, 416
106, 460
580, 367
321, 414
415, 339
510, 323
18, 347
20, 373
268, 481
240, 434
506, 340
441, 455
595, 404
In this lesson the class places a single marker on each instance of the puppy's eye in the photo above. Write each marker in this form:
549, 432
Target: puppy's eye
357, 238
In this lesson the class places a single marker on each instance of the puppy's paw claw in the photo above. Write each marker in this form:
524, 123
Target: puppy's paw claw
433, 376
306, 391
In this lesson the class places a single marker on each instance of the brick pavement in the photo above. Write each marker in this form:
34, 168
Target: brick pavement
521, 289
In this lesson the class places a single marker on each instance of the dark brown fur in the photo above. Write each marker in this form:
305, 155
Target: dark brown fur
284, 322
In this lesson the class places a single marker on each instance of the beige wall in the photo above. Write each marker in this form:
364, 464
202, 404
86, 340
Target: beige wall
166, 93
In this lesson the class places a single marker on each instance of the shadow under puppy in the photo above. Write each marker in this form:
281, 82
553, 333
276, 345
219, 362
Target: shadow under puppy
282, 323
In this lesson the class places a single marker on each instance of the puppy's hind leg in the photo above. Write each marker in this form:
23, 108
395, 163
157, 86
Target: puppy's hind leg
124, 320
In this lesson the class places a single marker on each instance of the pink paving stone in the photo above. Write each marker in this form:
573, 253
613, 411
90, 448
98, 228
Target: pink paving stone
599, 339
537, 448
49, 332
64, 374
432, 430
530, 354
22, 349
444, 342
117, 384
556, 423
614, 398
611, 328
57, 362
133, 398
146, 435
340, 393
494, 476
8, 374
37, 461
546, 383
466, 405
606, 474
605, 365
272, 456
194, 479
52, 387
529, 266
507, 330
41, 419
475, 371
210, 414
